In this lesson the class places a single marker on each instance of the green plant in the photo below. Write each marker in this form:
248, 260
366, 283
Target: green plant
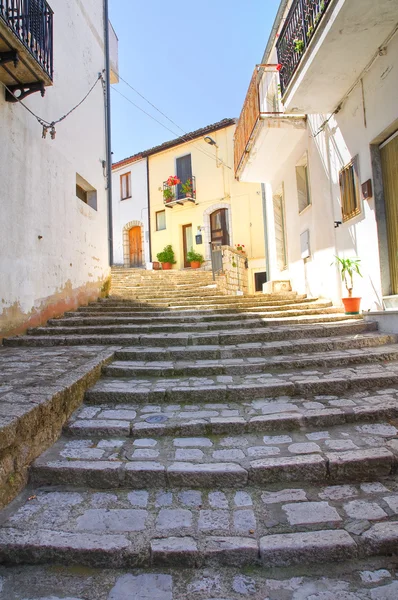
167, 255
187, 188
193, 256
348, 267
168, 194
310, 29
298, 46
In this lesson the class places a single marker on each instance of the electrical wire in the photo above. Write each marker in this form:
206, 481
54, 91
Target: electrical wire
50, 125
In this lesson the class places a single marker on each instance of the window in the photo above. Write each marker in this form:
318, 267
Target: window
125, 186
85, 192
303, 187
184, 172
280, 230
160, 220
349, 189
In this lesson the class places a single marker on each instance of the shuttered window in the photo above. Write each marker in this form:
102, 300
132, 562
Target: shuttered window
184, 172
280, 231
125, 186
160, 220
303, 188
349, 189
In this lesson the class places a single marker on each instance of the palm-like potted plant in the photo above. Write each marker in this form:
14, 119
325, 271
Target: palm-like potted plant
348, 268
187, 188
166, 257
195, 259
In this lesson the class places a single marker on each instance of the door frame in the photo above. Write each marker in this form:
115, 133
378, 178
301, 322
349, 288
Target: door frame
184, 244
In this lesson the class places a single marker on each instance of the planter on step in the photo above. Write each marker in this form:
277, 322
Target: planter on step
156, 266
352, 305
195, 264
166, 266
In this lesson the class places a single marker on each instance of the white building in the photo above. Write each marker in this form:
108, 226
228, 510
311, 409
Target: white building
54, 200
318, 129
130, 212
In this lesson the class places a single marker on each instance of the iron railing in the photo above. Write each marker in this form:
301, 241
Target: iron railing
216, 259
174, 194
302, 20
32, 23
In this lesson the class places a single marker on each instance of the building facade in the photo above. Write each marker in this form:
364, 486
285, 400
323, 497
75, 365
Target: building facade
53, 189
318, 131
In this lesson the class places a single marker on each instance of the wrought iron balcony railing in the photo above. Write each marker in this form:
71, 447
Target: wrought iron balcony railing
301, 23
176, 194
32, 22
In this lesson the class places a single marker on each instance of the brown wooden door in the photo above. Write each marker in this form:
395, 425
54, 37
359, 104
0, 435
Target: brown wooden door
219, 227
187, 242
135, 247
389, 163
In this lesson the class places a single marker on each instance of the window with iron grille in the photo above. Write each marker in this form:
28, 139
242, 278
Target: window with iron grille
349, 189
125, 186
160, 220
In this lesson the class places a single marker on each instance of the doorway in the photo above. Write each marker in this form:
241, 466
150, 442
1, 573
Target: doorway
280, 231
135, 247
389, 165
187, 239
219, 227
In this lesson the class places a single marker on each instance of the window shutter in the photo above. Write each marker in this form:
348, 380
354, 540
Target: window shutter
184, 171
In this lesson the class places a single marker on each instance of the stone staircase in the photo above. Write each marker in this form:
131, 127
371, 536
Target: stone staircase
236, 447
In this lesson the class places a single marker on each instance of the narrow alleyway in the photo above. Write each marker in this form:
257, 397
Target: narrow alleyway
250, 440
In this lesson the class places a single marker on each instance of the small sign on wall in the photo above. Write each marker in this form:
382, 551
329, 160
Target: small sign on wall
199, 239
367, 192
305, 244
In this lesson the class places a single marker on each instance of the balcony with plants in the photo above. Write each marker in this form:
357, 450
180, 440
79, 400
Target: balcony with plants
26, 47
177, 192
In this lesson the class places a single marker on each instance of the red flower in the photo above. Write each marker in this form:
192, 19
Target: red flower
279, 67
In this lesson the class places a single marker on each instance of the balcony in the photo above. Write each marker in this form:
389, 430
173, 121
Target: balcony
180, 193
264, 128
324, 47
26, 46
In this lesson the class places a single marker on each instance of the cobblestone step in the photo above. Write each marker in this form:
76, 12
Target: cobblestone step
186, 527
233, 418
245, 366
322, 327
349, 452
373, 579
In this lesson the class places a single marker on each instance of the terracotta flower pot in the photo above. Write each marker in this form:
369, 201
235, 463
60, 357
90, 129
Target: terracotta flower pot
352, 305
166, 266
195, 264
156, 266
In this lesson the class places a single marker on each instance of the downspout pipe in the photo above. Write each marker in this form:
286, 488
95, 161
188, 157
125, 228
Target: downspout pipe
108, 132
149, 208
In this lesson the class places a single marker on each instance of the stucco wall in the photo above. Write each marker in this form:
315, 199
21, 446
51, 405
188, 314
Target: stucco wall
133, 209
53, 247
216, 187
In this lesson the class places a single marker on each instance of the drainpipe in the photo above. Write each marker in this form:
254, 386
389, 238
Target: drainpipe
108, 130
149, 210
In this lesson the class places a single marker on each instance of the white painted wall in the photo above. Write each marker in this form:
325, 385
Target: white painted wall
345, 136
132, 209
42, 277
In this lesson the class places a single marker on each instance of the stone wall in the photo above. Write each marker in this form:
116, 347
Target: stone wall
235, 274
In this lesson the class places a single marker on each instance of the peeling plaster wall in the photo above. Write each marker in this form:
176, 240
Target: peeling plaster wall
53, 247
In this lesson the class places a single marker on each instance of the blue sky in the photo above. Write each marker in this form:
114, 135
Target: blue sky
193, 59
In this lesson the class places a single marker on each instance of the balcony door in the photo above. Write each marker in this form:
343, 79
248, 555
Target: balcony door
187, 238
219, 227
184, 172
389, 164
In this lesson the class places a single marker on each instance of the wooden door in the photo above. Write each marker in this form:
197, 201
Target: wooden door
280, 231
389, 164
219, 227
135, 243
187, 238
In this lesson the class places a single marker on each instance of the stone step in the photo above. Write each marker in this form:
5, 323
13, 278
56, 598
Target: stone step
273, 414
245, 366
320, 326
371, 579
258, 349
278, 527
232, 388
235, 301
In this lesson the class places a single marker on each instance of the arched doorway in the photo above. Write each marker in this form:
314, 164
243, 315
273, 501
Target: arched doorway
219, 227
133, 244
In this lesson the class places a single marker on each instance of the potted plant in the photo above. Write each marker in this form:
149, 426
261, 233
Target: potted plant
168, 188
195, 259
298, 46
166, 257
240, 247
168, 194
187, 188
348, 267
